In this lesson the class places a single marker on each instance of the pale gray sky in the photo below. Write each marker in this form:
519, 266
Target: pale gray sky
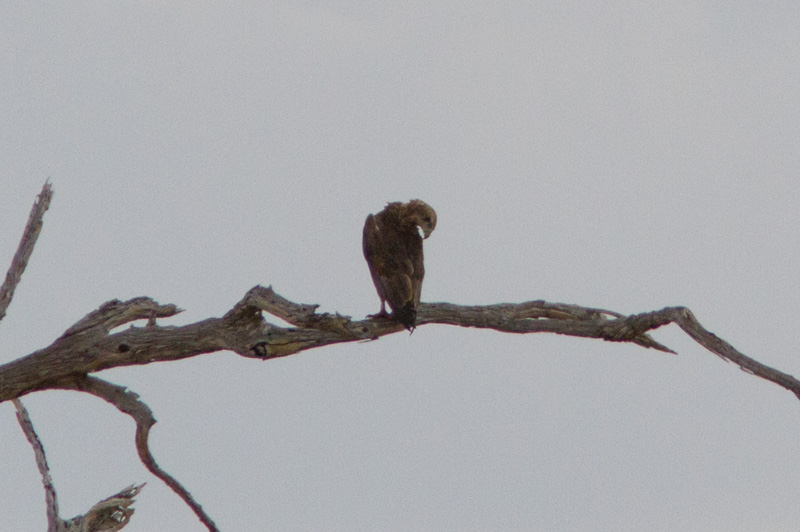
625, 155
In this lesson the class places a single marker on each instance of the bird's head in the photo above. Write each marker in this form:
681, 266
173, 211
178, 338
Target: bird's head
423, 216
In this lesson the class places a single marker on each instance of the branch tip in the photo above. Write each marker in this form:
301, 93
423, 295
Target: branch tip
25, 248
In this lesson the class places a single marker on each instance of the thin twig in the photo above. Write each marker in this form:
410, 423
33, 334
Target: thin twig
25, 248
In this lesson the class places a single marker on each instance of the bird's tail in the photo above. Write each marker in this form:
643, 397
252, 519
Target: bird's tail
407, 316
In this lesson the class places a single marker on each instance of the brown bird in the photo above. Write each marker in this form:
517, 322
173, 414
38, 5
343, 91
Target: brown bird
393, 249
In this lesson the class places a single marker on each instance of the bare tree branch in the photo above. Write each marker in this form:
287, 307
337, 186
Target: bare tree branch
25, 248
128, 403
727, 352
114, 313
88, 347
115, 512
54, 523
244, 331
108, 515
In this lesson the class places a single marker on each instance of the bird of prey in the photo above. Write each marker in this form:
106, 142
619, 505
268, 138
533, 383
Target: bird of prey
392, 243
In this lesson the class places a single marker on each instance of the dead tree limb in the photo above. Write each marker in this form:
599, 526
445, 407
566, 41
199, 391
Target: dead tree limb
54, 523
109, 515
25, 248
88, 346
128, 403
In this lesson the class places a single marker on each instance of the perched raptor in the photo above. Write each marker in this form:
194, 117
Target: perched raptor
393, 249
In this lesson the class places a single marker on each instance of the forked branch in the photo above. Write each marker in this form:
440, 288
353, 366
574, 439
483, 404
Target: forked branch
128, 403
109, 515
88, 346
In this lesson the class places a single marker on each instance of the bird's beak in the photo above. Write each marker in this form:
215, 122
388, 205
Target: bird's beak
424, 232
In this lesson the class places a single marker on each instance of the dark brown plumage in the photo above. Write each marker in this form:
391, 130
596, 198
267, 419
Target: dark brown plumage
393, 249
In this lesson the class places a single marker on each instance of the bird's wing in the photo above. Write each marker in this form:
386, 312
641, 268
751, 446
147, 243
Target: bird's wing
388, 262
417, 272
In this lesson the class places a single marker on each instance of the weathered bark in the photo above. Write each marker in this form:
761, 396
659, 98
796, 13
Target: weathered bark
89, 347
109, 515
25, 248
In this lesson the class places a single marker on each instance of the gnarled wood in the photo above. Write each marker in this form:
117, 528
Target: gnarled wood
88, 346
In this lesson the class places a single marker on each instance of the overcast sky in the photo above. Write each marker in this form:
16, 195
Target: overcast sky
624, 155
